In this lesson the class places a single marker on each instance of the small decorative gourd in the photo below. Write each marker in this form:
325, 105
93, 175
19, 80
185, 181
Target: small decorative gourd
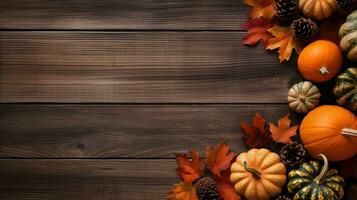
258, 174
346, 88
318, 9
331, 130
311, 181
303, 97
348, 35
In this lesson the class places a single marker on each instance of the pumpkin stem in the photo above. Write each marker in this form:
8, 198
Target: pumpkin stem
256, 174
302, 98
323, 170
324, 70
349, 132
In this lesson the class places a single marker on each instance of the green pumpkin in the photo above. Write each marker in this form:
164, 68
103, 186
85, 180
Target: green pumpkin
346, 88
348, 35
313, 182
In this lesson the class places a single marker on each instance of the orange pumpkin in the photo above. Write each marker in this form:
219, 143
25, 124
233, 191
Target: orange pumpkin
320, 61
258, 174
330, 130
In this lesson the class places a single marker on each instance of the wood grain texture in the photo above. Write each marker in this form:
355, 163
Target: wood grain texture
86, 179
123, 131
122, 14
139, 67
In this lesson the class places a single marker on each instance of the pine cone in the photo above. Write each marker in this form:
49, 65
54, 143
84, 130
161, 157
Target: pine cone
282, 197
346, 6
206, 189
286, 10
304, 29
293, 154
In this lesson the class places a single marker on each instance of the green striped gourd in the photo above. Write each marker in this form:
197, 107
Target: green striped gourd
346, 88
311, 181
348, 35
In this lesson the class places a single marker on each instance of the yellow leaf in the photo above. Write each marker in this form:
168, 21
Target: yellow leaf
261, 8
284, 41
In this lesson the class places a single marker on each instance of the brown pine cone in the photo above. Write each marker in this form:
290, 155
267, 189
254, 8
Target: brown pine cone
286, 10
206, 189
304, 29
293, 154
346, 6
282, 197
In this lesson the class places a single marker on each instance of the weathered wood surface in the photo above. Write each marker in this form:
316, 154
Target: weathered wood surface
122, 14
52, 179
139, 67
146, 78
123, 131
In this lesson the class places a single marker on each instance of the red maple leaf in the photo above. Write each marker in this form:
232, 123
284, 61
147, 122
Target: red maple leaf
257, 30
257, 135
225, 188
190, 170
219, 158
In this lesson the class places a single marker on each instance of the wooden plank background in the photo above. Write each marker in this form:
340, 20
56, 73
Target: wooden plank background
96, 96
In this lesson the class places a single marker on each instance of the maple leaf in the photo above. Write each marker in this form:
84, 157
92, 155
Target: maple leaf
261, 8
284, 41
256, 135
257, 30
284, 131
182, 191
188, 170
349, 168
328, 30
219, 158
225, 188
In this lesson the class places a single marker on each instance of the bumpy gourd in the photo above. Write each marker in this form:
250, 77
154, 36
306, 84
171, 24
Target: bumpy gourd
311, 181
258, 174
318, 9
348, 35
303, 97
346, 88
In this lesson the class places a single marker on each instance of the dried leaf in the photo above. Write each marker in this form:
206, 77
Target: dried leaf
257, 30
225, 188
256, 135
329, 31
349, 167
190, 170
182, 191
284, 131
219, 158
284, 41
261, 8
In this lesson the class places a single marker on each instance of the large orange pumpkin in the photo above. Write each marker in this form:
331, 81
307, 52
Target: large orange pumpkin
320, 61
330, 130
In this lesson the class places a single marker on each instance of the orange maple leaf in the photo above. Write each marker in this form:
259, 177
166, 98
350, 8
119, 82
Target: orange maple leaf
190, 170
219, 158
257, 30
284, 40
182, 191
284, 131
261, 8
225, 188
256, 134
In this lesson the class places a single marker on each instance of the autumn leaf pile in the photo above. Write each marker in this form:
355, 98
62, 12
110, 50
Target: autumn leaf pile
217, 165
218, 159
262, 25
